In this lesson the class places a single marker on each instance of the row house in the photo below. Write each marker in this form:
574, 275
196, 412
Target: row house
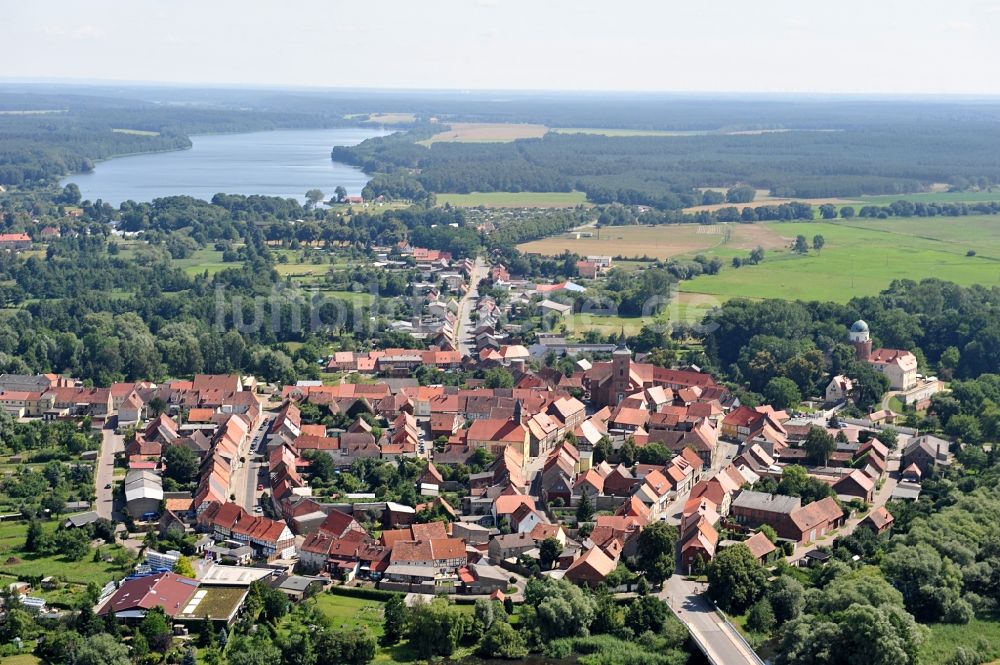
270, 539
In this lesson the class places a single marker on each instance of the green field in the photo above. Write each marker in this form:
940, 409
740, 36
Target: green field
202, 260
351, 612
944, 639
12, 535
933, 197
514, 199
862, 257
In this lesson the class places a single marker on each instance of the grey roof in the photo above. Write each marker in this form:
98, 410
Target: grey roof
487, 572
297, 583
143, 484
83, 519
775, 503
859, 326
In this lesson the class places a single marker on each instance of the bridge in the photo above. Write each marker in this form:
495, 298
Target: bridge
714, 635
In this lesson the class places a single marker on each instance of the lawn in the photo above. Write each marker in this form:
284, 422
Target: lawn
861, 258
351, 612
486, 132
514, 199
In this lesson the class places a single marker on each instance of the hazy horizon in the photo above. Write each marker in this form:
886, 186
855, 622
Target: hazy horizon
785, 48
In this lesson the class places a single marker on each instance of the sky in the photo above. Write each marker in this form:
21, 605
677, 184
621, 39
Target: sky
767, 46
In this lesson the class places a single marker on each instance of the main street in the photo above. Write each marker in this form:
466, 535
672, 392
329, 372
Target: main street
463, 334
104, 473
246, 476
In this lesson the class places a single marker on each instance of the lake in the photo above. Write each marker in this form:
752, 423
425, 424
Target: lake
282, 163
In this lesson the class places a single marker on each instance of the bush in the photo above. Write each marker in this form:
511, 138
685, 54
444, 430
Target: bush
366, 593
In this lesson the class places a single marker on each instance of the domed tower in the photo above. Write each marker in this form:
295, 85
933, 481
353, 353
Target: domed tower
861, 340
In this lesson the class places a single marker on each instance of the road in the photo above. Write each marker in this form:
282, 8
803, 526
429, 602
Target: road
717, 639
104, 474
247, 475
467, 344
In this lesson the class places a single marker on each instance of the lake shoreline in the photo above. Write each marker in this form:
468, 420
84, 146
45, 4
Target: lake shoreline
283, 162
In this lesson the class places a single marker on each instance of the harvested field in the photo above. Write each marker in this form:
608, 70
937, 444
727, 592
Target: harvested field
487, 132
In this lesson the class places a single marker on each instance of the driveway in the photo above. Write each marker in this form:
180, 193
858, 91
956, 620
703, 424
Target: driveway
104, 474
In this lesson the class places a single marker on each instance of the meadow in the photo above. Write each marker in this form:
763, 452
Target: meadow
514, 199
604, 131
862, 257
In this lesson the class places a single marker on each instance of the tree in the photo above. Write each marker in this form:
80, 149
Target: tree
820, 445
549, 551
34, 536
182, 463
339, 193
603, 449
102, 649
782, 393
393, 620
740, 194
647, 613
655, 551
313, 197
585, 510
819, 241
760, 618
889, 436
800, 246
498, 377
787, 598
736, 579
155, 628
435, 628
184, 568
503, 641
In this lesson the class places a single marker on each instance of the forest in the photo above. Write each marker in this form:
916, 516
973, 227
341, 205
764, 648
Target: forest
664, 171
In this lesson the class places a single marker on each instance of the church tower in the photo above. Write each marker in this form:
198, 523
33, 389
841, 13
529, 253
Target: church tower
621, 368
861, 340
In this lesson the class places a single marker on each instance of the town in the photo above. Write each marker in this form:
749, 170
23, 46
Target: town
218, 482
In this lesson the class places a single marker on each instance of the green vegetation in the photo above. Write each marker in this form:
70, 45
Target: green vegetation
513, 199
862, 257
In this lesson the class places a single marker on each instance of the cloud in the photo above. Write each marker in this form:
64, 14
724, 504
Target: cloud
959, 26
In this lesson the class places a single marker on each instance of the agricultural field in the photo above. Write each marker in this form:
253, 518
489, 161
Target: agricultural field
514, 199
392, 118
862, 257
487, 132
624, 132
659, 242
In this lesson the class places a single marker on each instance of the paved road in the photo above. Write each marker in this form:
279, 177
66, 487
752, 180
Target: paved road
246, 476
719, 641
467, 345
111, 443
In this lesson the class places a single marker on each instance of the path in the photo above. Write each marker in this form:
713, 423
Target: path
718, 640
466, 344
104, 474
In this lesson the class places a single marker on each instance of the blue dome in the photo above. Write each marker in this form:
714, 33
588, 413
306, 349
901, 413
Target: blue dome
859, 326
